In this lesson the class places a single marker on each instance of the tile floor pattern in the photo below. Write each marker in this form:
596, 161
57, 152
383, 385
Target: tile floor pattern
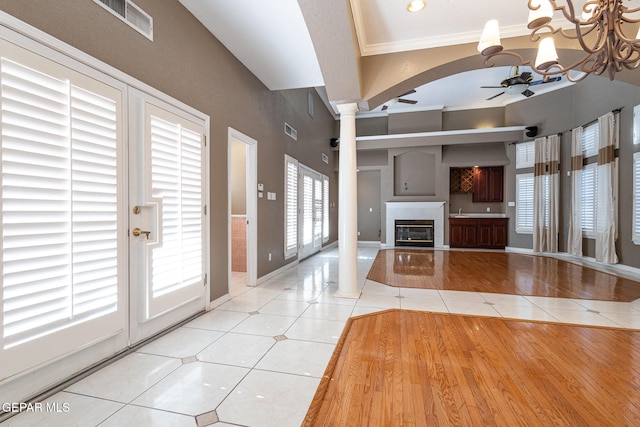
257, 359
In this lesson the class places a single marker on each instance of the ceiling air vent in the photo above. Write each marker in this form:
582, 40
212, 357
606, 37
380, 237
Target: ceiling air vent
128, 12
290, 131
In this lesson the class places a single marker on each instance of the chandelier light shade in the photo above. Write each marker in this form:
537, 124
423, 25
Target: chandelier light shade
599, 27
490, 39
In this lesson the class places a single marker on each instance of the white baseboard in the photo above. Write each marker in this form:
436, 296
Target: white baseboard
276, 272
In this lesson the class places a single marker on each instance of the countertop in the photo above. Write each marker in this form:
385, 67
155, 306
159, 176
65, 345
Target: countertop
478, 215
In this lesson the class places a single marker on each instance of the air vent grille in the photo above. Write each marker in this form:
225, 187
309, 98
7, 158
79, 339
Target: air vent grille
290, 131
130, 13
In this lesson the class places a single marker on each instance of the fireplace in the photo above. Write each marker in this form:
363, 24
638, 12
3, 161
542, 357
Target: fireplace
414, 232
415, 210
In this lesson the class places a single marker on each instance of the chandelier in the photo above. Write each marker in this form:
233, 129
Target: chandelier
597, 26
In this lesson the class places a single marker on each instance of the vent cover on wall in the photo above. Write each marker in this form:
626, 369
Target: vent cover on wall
290, 131
128, 12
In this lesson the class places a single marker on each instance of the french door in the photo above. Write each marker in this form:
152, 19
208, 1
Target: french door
103, 207
167, 228
310, 205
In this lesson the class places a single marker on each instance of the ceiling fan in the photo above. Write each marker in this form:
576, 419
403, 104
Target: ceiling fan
519, 83
400, 98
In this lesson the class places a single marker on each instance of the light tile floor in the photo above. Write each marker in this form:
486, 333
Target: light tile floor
257, 359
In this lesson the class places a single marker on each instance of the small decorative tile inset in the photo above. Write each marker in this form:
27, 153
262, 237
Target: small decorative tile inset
280, 338
253, 313
190, 359
207, 419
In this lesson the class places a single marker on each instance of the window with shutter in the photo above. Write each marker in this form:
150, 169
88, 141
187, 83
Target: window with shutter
291, 207
636, 198
525, 155
589, 200
325, 209
307, 210
524, 203
61, 142
176, 176
590, 140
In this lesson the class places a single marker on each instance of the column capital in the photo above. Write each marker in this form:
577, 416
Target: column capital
347, 108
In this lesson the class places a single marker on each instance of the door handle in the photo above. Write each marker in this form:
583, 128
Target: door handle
137, 232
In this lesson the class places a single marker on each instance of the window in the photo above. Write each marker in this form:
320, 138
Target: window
590, 140
129, 12
589, 198
636, 124
291, 207
61, 134
525, 155
325, 209
524, 203
589, 185
176, 179
636, 198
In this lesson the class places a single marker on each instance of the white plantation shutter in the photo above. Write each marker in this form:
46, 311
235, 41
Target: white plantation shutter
636, 198
307, 209
291, 207
317, 213
325, 209
60, 205
524, 203
176, 179
590, 140
525, 154
589, 200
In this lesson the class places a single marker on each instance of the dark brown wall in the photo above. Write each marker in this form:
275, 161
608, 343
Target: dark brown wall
187, 63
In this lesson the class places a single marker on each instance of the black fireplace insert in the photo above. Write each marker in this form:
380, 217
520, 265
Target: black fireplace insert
414, 232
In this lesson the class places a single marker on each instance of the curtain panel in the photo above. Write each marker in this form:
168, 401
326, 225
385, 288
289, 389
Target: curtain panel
607, 189
574, 241
546, 194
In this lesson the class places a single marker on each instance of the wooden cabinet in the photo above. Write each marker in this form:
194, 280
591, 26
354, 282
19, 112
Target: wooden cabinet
489, 233
488, 184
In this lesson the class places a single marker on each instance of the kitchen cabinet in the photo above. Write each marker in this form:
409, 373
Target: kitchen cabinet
488, 233
488, 184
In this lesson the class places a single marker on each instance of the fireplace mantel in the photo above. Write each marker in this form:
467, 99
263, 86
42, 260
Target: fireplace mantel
416, 210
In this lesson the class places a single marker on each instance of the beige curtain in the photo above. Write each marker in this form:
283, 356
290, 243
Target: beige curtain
546, 191
607, 190
574, 242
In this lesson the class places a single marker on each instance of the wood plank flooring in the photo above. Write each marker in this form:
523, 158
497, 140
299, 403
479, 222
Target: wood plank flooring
498, 272
409, 368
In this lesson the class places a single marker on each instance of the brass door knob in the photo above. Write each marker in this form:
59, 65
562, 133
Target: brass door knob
137, 232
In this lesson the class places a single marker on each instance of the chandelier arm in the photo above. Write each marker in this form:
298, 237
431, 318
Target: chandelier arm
570, 15
556, 69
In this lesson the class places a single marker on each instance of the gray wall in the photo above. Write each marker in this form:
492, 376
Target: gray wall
186, 62
577, 106
369, 206
556, 112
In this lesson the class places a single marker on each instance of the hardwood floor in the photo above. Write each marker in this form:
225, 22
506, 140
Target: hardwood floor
498, 272
409, 368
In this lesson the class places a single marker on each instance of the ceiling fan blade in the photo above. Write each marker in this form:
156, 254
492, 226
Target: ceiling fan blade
491, 87
527, 93
526, 76
407, 101
407, 93
384, 107
494, 96
549, 80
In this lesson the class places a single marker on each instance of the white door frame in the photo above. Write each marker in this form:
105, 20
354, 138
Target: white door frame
252, 204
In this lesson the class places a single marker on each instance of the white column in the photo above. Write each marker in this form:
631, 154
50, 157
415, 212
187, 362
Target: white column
348, 204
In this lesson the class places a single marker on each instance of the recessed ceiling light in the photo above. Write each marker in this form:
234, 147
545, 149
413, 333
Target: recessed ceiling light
416, 5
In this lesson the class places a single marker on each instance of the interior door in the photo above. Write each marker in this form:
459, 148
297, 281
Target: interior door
310, 209
167, 224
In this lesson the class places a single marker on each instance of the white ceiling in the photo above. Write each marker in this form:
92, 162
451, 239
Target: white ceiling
271, 39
